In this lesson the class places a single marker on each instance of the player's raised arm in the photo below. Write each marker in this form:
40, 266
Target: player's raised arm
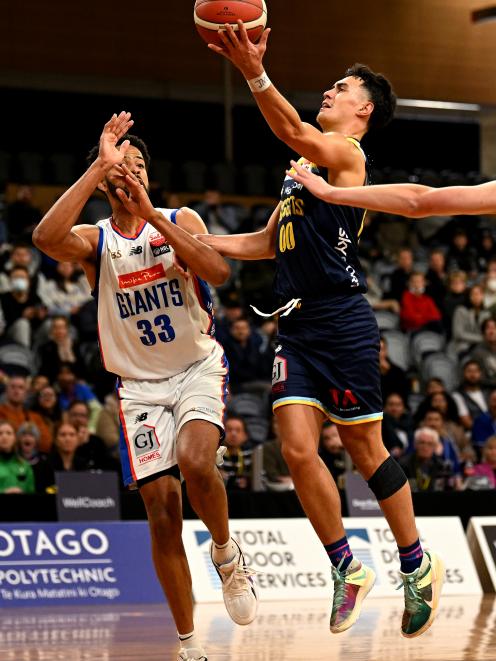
203, 260
56, 235
256, 245
411, 200
329, 149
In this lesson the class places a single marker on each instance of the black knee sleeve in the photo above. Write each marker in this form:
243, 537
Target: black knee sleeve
387, 480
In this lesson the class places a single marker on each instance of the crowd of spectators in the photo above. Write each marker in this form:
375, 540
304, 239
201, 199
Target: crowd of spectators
434, 294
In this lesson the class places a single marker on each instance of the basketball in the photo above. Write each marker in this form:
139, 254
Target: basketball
212, 15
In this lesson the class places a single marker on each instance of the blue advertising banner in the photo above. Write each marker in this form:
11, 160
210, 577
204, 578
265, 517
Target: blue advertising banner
80, 563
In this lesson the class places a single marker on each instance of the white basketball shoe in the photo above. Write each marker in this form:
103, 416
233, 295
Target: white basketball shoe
192, 654
238, 587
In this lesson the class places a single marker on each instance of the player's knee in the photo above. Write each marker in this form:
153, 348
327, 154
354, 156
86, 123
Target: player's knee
298, 457
194, 467
164, 519
387, 479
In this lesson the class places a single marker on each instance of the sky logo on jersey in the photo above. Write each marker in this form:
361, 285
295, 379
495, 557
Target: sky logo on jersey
158, 244
141, 277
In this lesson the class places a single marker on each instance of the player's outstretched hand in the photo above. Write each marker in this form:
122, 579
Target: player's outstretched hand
114, 129
136, 199
315, 184
242, 52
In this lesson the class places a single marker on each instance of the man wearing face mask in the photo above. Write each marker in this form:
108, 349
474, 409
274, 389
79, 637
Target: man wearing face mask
418, 310
22, 308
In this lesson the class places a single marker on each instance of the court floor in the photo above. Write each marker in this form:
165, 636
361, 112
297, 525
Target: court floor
464, 631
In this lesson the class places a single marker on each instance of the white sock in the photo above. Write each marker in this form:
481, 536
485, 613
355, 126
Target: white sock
189, 640
224, 553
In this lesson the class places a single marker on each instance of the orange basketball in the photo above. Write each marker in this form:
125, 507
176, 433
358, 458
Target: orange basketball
212, 15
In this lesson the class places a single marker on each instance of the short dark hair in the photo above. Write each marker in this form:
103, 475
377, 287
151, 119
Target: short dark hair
381, 94
486, 322
135, 142
234, 416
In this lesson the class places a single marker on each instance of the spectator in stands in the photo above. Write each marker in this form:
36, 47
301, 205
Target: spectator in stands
470, 398
445, 404
22, 216
487, 467
47, 406
38, 382
467, 320
249, 366
16, 475
276, 471
28, 439
425, 470
237, 468
397, 425
393, 378
490, 286
67, 292
91, 448
401, 275
446, 449
14, 410
60, 349
22, 308
486, 250
22, 255
435, 277
64, 455
456, 295
70, 389
375, 296
108, 425
220, 218
331, 451
418, 310
461, 256
485, 424
231, 311
485, 353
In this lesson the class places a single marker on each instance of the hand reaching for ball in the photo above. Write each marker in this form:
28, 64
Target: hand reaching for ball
242, 52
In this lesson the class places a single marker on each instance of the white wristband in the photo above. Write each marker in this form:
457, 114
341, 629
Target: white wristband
259, 84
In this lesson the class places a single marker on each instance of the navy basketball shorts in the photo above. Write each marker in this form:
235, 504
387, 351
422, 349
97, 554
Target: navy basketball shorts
327, 357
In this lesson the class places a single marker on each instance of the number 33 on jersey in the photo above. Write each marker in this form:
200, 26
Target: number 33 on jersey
152, 323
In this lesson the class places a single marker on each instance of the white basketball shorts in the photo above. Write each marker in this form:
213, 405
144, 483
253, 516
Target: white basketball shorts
152, 413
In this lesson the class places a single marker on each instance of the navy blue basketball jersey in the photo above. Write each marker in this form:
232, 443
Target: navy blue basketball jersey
317, 243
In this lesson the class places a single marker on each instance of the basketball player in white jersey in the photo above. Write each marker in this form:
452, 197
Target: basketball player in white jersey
156, 333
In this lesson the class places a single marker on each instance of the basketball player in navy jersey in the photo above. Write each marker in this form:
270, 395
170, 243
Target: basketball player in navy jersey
156, 333
327, 359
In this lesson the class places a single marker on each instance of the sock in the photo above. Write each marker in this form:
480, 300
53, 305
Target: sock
410, 557
224, 553
339, 550
189, 640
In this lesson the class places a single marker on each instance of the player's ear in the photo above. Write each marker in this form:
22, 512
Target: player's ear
366, 109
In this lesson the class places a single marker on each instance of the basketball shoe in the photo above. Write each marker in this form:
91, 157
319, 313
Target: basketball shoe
192, 654
238, 587
422, 592
350, 589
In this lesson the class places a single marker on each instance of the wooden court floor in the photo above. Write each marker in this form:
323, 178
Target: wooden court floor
464, 631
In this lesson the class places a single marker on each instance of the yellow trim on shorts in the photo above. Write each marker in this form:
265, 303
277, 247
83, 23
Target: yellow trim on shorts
315, 405
328, 414
374, 418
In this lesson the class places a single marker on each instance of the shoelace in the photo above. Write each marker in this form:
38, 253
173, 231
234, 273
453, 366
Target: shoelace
413, 599
236, 583
339, 579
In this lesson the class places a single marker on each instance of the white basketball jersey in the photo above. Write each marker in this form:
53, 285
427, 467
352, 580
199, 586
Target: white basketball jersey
152, 323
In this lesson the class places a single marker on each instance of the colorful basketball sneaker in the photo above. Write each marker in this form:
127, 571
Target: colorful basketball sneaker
238, 587
422, 592
350, 589
192, 654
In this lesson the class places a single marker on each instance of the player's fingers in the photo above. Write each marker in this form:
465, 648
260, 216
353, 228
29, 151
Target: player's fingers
243, 34
231, 35
264, 38
219, 50
123, 147
226, 42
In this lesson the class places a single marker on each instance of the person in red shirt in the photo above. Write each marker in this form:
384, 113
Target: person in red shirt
418, 310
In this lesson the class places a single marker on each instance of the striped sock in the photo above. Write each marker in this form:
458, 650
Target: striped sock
411, 557
340, 551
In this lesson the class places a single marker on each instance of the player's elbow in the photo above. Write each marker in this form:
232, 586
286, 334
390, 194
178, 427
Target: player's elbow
221, 275
40, 238
415, 208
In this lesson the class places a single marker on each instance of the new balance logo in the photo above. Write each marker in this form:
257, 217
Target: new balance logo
141, 417
136, 250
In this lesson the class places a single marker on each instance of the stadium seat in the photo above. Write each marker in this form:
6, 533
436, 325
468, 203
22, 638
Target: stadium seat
440, 366
387, 320
63, 169
224, 178
398, 346
258, 429
16, 359
426, 342
254, 180
30, 165
161, 172
194, 173
248, 405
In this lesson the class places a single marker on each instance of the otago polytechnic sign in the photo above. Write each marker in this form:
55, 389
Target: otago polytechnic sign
76, 564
